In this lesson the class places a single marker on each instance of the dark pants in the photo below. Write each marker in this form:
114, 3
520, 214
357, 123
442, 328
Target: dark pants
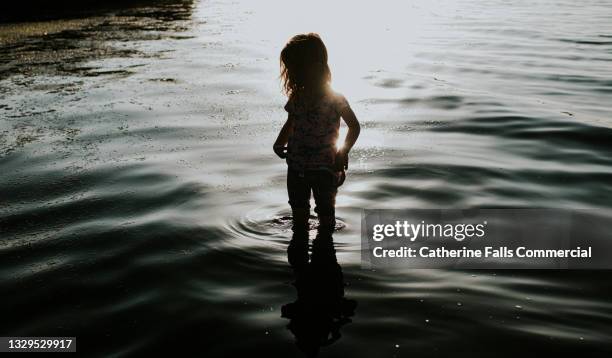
323, 185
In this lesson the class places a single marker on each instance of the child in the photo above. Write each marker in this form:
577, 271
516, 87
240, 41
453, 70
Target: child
311, 131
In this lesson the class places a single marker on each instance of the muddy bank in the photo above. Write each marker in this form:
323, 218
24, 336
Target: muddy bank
36, 10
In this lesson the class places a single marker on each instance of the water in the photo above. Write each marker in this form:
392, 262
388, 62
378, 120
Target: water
142, 208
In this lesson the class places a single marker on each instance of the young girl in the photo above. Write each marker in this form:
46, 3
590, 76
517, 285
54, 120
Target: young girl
315, 163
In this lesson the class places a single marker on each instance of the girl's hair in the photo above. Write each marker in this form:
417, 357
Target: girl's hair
304, 69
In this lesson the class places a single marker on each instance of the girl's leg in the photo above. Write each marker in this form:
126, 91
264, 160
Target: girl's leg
327, 222
299, 199
324, 189
300, 219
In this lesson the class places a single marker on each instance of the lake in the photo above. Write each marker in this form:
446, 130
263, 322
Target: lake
143, 210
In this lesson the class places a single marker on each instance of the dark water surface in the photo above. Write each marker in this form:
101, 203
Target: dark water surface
142, 209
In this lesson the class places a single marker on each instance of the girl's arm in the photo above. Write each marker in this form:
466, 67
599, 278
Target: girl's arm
351, 137
283, 138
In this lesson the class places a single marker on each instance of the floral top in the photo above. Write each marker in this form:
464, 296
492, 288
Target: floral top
316, 127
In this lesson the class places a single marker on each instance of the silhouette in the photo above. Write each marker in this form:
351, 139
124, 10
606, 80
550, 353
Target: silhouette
321, 308
308, 141
315, 167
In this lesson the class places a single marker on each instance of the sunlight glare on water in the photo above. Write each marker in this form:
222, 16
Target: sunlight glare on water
351, 30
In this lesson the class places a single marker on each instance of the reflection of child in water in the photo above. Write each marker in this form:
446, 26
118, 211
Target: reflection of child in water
311, 131
321, 308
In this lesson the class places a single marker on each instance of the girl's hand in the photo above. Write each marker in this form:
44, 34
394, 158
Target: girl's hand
341, 160
340, 177
280, 150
